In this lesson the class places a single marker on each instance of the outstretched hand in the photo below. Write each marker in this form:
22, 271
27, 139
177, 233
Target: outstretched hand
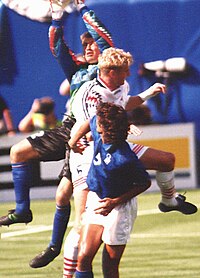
79, 4
157, 88
134, 130
153, 91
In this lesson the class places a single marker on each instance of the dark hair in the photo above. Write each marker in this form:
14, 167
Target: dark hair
84, 36
141, 115
46, 105
114, 122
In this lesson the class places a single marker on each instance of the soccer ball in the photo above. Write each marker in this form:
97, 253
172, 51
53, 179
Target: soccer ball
38, 10
60, 3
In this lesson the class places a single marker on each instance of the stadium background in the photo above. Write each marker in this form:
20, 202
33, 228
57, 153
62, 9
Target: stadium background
150, 30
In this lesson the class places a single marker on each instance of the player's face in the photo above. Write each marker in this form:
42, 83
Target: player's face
91, 51
120, 75
98, 126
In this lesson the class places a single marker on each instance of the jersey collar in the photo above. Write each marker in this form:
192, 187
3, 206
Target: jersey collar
102, 84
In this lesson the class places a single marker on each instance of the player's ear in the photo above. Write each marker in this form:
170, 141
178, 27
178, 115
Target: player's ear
112, 73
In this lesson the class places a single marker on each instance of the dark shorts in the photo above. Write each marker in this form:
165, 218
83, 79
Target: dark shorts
52, 145
65, 172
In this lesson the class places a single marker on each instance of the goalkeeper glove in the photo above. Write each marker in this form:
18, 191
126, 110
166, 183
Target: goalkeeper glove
79, 4
57, 7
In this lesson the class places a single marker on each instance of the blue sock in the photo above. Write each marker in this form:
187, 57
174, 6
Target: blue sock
84, 274
21, 177
61, 219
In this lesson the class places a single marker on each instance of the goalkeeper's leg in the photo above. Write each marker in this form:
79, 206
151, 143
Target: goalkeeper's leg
61, 219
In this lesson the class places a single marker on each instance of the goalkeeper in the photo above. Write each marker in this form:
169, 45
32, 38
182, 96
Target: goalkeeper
52, 145
77, 73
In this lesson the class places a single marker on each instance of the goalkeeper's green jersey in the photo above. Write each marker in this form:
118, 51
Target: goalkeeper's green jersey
78, 72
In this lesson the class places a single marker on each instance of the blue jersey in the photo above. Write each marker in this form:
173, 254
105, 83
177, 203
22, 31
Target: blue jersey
114, 169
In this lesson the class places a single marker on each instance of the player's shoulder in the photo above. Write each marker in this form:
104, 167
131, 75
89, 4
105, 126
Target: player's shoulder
89, 83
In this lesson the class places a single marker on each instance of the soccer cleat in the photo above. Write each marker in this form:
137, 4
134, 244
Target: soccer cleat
182, 197
45, 257
13, 218
182, 206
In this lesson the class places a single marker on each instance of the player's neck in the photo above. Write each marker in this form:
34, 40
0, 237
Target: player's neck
108, 82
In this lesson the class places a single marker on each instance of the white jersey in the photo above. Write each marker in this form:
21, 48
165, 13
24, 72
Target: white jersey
91, 93
83, 108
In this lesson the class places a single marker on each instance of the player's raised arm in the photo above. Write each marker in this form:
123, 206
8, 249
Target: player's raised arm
95, 27
59, 48
152, 91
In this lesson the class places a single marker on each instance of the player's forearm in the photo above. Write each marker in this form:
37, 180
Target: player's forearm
26, 124
152, 91
60, 50
97, 29
136, 190
8, 120
84, 129
108, 204
134, 101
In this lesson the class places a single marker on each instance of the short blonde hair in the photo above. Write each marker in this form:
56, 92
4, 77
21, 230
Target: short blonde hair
114, 58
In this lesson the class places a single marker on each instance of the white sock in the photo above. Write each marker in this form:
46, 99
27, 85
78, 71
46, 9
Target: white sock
165, 181
70, 253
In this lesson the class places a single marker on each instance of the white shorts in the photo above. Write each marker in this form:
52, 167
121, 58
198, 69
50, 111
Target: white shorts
79, 167
80, 164
138, 149
118, 224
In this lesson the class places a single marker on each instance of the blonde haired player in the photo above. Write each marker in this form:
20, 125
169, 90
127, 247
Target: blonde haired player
114, 57
111, 86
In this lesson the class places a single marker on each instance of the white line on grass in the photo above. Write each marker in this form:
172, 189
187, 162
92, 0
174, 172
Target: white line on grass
148, 212
193, 234
44, 228
31, 230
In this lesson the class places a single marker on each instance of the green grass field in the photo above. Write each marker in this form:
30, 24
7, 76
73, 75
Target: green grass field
161, 245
